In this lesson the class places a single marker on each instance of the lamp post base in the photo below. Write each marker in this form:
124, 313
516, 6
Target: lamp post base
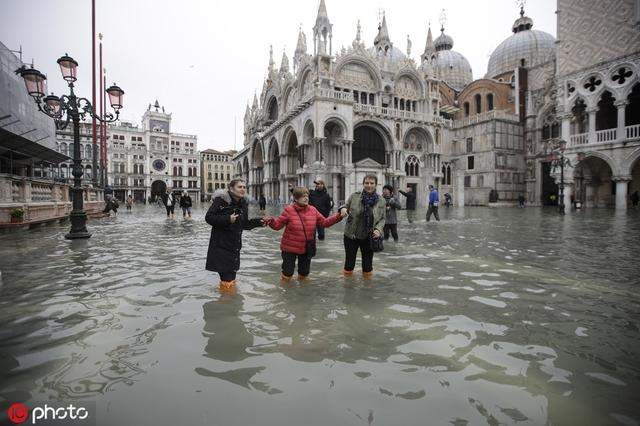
78, 225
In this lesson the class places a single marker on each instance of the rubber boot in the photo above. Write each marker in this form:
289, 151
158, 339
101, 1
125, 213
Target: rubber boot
367, 274
303, 277
284, 279
227, 286
347, 273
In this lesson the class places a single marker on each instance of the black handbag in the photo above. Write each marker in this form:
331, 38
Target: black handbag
376, 243
309, 245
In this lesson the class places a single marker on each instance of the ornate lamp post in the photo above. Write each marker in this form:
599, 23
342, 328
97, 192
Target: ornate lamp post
554, 152
62, 110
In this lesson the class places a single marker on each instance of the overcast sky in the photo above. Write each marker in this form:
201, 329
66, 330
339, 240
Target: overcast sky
203, 59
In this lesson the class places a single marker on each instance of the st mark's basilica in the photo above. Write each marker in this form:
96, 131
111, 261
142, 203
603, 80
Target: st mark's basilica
375, 109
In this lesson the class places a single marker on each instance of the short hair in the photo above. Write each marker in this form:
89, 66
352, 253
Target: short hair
389, 187
234, 182
300, 191
430, 186
372, 177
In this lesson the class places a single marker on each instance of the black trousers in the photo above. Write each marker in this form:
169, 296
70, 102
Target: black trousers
393, 228
170, 209
227, 276
432, 210
351, 251
289, 263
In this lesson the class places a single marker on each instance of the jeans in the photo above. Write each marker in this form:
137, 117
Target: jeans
186, 210
170, 209
351, 251
432, 210
411, 215
227, 276
393, 228
289, 263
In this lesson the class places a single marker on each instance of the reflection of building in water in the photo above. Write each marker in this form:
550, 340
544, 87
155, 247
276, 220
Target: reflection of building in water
340, 115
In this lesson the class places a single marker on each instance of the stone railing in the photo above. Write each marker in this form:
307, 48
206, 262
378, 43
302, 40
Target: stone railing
42, 200
578, 139
605, 136
485, 116
633, 132
398, 113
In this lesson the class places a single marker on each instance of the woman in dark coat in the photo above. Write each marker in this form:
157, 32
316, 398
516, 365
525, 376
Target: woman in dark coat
228, 217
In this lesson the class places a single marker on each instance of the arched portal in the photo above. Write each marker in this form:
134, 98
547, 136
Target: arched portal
292, 154
369, 142
634, 184
245, 170
593, 182
273, 165
158, 187
258, 164
580, 122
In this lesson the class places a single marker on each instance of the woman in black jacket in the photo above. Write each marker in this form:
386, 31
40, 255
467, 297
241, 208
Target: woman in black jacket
228, 217
186, 204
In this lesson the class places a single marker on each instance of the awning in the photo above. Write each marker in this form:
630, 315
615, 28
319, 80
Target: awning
23, 148
449, 109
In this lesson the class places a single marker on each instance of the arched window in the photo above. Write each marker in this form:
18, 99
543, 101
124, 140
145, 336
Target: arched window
466, 109
141, 169
412, 166
122, 168
607, 114
363, 98
632, 112
368, 144
71, 149
478, 100
398, 131
490, 102
87, 151
372, 99
175, 171
580, 117
273, 109
180, 171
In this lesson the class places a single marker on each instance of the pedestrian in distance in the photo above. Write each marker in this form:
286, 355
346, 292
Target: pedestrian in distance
129, 202
111, 205
228, 216
521, 201
410, 204
364, 227
300, 220
262, 203
391, 216
322, 201
169, 201
185, 205
635, 198
434, 200
447, 200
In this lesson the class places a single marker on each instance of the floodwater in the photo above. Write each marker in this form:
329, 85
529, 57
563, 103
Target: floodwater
491, 316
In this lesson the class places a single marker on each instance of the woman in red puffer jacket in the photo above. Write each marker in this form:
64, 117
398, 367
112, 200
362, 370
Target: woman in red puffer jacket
300, 220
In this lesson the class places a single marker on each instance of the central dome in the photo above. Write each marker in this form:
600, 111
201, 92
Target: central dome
526, 47
393, 54
450, 66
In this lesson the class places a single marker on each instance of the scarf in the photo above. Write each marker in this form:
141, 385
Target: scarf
368, 201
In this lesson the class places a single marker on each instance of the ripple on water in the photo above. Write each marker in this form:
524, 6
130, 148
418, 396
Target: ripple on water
490, 302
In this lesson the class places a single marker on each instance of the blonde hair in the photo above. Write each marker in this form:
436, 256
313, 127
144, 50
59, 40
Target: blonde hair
300, 191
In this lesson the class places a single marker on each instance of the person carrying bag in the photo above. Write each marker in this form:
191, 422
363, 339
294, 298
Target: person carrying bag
300, 220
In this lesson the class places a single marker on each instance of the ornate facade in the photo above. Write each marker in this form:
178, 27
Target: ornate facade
341, 115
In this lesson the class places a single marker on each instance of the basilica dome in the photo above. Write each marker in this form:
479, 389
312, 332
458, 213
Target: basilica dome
533, 46
450, 66
393, 54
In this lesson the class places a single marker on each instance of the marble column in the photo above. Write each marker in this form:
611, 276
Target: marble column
460, 189
621, 105
592, 124
622, 183
566, 128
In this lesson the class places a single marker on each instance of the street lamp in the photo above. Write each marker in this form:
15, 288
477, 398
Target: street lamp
75, 109
555, 154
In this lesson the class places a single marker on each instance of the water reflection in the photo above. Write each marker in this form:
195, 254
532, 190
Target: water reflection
487, 317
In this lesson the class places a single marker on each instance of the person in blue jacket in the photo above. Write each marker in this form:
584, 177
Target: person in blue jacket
434, 200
